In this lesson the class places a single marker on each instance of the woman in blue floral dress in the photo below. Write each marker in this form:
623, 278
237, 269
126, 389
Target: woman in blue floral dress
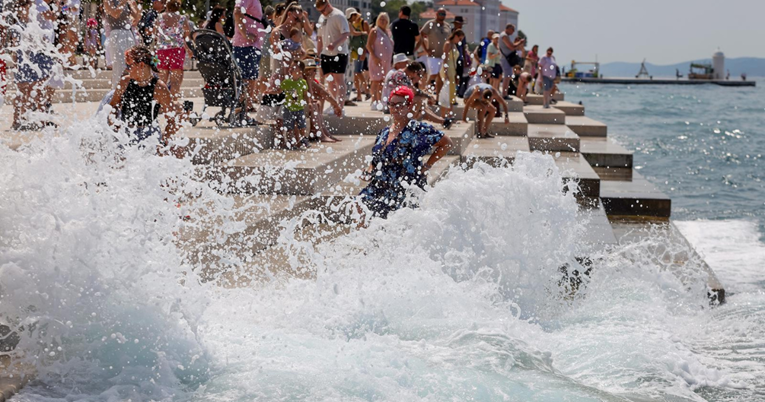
399, 156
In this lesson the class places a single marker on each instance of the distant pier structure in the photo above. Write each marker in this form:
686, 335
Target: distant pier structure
699, 74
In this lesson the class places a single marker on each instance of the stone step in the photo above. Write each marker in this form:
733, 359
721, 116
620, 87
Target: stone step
517, 125
586, 127
210, 144
494, 151
552, 138
90, 83
96, 95
534, 99
514, 104
597, 234
300, 172
208, 243
605, 152
107, 74
570, 109
540, 115
573, 166
635, 198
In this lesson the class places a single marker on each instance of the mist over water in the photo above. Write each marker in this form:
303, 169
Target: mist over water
459, 299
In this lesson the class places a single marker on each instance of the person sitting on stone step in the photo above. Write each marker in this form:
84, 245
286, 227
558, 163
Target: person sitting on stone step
317, 95
404, 73
140, 97
482, 98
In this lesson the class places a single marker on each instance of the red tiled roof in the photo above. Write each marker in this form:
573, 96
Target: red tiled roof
467, 3
430, 14
503, 7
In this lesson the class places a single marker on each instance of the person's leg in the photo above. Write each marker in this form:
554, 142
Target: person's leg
121, 41
175, 81
164, 76
339, 81
21, 102
522, 88
376, 91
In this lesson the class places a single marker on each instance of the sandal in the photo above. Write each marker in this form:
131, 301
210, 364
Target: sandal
448, 123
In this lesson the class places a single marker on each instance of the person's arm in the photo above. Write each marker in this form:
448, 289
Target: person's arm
498, 98
117, 98
343, 37
371, 46
469, 104
442, 148
240, 23
354, 32
135, 12
305, 24
423, 38
173, 112
112, 9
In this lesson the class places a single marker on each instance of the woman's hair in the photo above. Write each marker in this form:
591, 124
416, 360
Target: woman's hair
173, 6
142, 54
268, 11
216, 13
279, 10
535, 47
290, 8
549, 49
458, 32
486, 95
382, 16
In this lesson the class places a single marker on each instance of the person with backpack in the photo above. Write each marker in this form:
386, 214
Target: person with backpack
508, 48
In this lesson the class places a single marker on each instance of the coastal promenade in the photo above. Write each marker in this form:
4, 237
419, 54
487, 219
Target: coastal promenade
267, 186
660, 81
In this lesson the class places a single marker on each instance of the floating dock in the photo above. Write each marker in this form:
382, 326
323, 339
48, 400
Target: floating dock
659, 81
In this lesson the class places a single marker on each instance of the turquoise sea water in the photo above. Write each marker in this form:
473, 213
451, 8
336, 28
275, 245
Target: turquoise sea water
704, 146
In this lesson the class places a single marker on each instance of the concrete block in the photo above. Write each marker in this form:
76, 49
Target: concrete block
570, 109
605, 152
586, 127
540, 115
552, 138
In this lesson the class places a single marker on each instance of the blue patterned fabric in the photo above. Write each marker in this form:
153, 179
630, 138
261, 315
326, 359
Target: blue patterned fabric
399, 162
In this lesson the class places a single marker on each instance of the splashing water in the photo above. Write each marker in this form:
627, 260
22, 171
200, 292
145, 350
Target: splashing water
458, 299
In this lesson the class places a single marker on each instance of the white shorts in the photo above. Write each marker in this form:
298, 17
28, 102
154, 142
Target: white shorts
434, 65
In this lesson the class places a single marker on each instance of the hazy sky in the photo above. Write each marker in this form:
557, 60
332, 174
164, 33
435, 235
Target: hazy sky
662, 31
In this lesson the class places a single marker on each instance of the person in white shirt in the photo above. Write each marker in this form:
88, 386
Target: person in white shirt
333, 47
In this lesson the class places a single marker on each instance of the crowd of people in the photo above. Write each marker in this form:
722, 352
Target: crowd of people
408, 71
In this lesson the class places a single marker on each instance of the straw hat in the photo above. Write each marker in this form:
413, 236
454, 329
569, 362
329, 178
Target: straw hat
310, 63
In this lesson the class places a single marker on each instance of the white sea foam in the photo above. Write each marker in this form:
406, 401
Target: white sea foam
457, 299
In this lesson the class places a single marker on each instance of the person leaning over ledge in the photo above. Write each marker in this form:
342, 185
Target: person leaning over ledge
398, 156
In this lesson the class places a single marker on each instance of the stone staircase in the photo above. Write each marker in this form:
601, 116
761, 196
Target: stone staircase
271, 183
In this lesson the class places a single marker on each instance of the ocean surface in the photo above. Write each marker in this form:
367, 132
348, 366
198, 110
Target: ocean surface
457, 300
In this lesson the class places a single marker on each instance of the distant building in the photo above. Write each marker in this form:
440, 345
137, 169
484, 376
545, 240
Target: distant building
480, 16
364, 7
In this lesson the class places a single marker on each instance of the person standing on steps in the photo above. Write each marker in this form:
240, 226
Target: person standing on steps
399, 158
405, 33
549, 68
121, 15
435, 34
359, 55
249, 32
461, 78
333, 47
172, 33
147, 27
508, 49
380, 50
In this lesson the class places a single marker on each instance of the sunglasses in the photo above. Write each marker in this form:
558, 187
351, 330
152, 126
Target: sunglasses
396, 105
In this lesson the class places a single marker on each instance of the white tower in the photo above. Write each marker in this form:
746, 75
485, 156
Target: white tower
718, 64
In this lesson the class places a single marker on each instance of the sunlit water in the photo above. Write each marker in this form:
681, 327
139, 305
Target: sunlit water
457, 300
